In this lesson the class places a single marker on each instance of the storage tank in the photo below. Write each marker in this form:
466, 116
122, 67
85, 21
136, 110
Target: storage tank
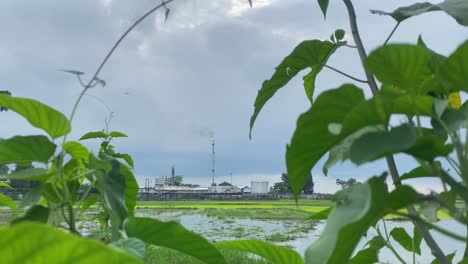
259, 187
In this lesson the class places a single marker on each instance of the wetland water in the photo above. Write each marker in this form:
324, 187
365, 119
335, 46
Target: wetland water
298, 234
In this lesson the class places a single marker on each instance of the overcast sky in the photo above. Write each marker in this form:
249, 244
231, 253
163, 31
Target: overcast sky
171, 84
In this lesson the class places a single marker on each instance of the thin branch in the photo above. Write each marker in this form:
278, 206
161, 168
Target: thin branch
391, 33
436, 251
351, 46
345, 74
83, 92
359, 45
433, 226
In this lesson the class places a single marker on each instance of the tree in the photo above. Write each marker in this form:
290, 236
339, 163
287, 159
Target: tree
346, 183
19, 184
174, 181
284, 186
225, 183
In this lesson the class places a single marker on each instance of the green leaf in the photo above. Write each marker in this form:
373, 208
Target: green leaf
88, 202
125, 157
453, 72
458, 9
275, 254
131, 189
365, 256
375, 145
114, 195
38, 115
4, 184
339, 34
43, 244
400, 236
7, 201
26, 149
340, 152
450, 256
308, 54
312, 140
453, 119
357, 208
96, 134
116, 134
323, 6
371, 253
76, 150
37, 213
35, 174
402, 65
420, 172
174, 236
132, 246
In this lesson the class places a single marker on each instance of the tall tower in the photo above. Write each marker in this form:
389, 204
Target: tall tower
213, 156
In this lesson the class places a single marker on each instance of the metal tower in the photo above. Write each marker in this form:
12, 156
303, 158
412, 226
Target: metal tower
213, 156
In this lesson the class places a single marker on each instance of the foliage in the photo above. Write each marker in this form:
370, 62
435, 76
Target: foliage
416, 82
346, 183
284, 187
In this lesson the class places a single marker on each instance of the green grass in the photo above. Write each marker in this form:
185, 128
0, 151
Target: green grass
304, 204
279, 237
158, 255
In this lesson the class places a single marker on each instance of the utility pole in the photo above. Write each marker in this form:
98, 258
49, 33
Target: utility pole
213, 156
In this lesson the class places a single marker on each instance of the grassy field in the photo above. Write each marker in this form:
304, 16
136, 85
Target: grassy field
303, 205
259, 209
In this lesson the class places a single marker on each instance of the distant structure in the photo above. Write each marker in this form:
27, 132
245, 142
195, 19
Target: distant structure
259, 187
213, 156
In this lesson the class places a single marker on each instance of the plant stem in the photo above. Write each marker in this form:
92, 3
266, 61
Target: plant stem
78, 100
359, 45
345, 74
388, 244
391, 34
436, 251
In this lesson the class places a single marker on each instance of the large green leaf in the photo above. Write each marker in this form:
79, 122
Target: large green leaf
341, 151
357, 208
405, 240
114, 189
402, 65
132, 246
96, 134
38, 114
421, 172
453, 72
275, 254
76, 150
128, 159
7, 201
36, 213
36, 174
131, 189
369, 254
33, 243
116, 134
308, 54
458, 9
312, 140
26, 149
374, 145
174, 236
